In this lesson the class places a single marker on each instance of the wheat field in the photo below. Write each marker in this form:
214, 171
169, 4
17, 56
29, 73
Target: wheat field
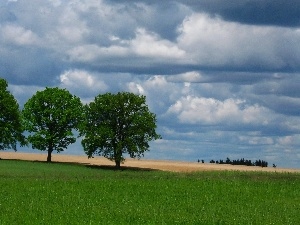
165, 165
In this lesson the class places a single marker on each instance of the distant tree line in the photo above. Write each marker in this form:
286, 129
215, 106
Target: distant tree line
242, 161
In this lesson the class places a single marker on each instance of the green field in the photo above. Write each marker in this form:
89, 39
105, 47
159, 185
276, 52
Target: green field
58, 193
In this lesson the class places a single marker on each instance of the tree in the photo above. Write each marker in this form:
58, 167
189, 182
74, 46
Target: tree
50, 116
10, 119
117, 124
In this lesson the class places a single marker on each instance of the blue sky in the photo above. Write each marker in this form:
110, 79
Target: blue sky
223, 77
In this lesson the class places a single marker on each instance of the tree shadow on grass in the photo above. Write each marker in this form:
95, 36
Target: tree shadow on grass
45, 162
87, 165
123, 168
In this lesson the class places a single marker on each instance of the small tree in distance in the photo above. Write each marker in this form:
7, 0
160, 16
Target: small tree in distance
50, 116
10, 120
117, 124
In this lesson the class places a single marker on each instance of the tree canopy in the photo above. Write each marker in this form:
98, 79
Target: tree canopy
117, 124
50, 116
10, 119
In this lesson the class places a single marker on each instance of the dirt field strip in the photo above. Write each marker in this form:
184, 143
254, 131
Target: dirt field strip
165, 165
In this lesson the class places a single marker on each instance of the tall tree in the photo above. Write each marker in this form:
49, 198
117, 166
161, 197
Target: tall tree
10, 119
117, 124
50, 116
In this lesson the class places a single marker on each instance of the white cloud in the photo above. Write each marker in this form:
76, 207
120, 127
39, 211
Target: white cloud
90, 53
72, 33
70, 26
145, 44
168, 91
287, 140
194, 110
257, 140
18, 35
157, 81
213, 41
84, 53
136, 88
148, 44
55, 3
82, 83
191, 76
157, 89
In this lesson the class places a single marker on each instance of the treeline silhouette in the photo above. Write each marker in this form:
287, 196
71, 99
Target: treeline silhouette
242, 161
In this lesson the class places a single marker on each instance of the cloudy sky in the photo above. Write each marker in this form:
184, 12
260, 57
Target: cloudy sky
223, 77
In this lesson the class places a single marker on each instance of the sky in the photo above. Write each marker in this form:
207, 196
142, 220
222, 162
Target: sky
222, 77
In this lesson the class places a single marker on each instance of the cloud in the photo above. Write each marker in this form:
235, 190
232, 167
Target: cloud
55, 3
23, 92
155, 16
160, 93
282, 104
257, 12
94, 53
211, 41
208, 111
229, 77
136, 88
17, 35
6, 15
191, 76
257, 140
150, 45
82, 83
145, 44
282, 85
287, 140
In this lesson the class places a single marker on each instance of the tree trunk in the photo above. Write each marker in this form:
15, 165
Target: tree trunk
118, 157
49, 155
118, 164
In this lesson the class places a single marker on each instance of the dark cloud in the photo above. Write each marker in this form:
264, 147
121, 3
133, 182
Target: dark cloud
282, 104
6, 15
285, 87
256, 12
242, 78
30, 67
234, 77
287, 106
162, 17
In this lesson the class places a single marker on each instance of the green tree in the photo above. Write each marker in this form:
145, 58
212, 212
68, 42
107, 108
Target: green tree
50, 116
10, 119
117, 124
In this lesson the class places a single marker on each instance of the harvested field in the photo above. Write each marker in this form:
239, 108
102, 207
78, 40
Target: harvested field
165, 165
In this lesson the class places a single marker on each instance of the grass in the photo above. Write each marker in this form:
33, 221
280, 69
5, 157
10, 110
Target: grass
60, 193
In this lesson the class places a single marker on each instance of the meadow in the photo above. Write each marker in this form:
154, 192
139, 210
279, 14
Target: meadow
66, 193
